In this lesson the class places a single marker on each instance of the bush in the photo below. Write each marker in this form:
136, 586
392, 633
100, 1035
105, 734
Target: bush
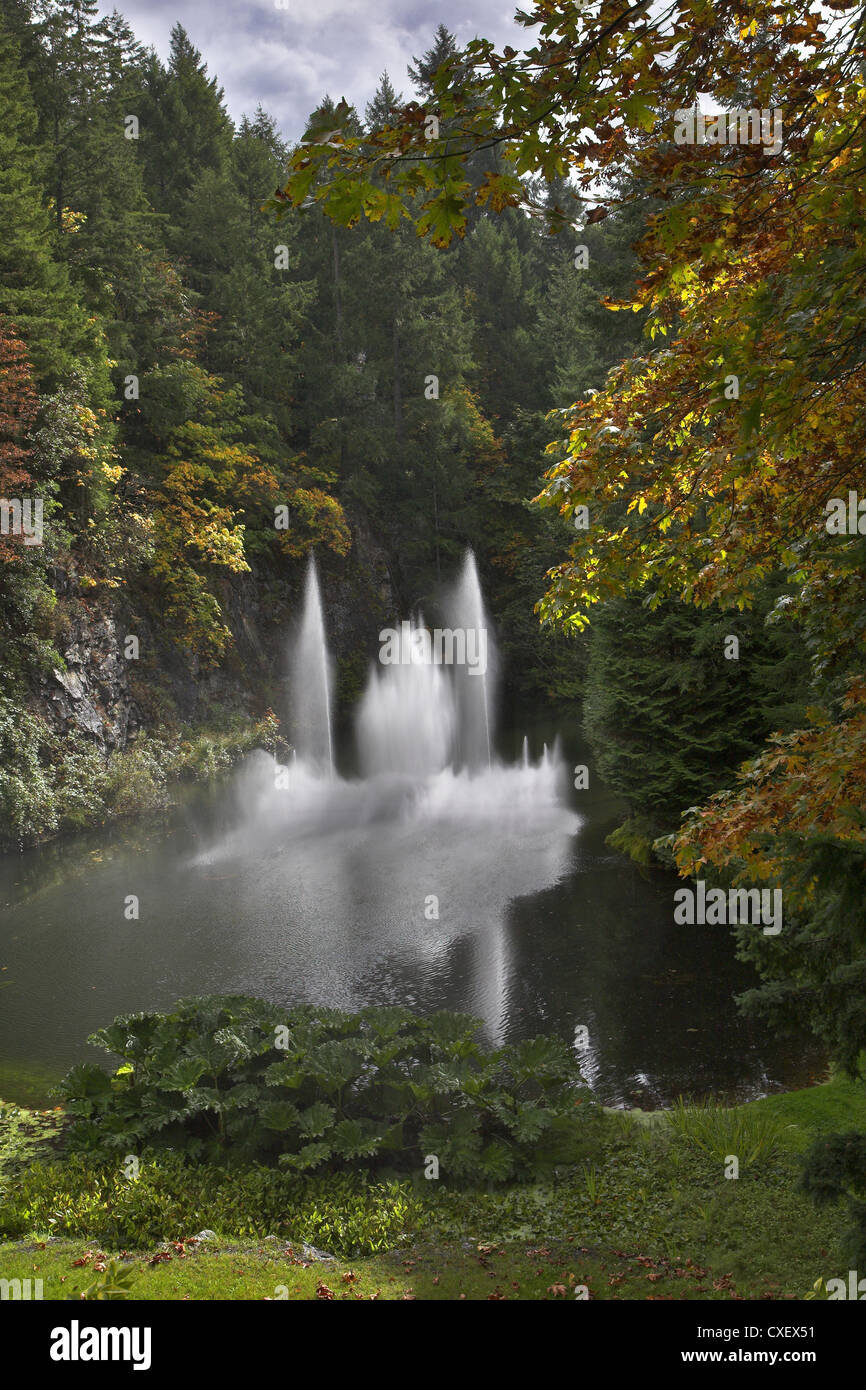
228, 1078
174, 1198
28, 806
834, 1170
636, 837
137, 778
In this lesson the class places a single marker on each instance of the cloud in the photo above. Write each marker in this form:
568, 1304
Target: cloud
288, 58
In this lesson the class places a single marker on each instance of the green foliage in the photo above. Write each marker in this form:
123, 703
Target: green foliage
113, 1284
834, 1170
752, 1136
28, 804
615, 1184
666, 1203
814, 972
173, 1198
35, 290
26, 1136
669, 717
381, 1089
51, 782
635, 837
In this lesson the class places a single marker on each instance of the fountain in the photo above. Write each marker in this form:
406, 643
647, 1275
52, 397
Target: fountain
474, 688
348, 867
425, 733
312, 682
407, 718
431, 709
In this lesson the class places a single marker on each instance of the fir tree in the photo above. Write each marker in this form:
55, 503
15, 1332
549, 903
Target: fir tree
668, 715
35, 291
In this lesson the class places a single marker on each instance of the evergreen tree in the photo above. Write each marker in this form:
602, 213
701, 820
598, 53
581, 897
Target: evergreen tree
35, 291
443, 48
246, 276
26, 600
186, 131
496, 266
70, 78
382, 108
668, 716
85, 78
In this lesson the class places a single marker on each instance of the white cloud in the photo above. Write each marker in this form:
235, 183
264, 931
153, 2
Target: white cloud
288, 59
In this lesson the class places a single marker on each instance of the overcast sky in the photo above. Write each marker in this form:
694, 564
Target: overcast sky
288, 58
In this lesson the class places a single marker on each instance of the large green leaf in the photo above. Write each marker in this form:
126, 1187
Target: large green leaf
334, 1065
185, 1073
86, 1081
311, 1156
279, 1115
315, 1119
356, 1138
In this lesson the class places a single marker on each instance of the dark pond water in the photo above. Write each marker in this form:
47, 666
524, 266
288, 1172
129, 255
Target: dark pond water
325, 897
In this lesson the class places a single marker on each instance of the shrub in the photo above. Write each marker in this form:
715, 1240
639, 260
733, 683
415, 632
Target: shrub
834, 1170
136, 777
27, 796
51, 782
229, 1078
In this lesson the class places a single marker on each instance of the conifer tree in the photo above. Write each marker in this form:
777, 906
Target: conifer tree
669, 714
35, 291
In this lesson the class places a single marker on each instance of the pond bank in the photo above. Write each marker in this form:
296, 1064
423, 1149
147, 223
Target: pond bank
73, 785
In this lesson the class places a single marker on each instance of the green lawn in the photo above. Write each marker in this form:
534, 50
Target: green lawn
838, 1105
269, 1271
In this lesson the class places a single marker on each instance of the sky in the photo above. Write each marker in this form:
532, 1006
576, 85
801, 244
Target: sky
287, 54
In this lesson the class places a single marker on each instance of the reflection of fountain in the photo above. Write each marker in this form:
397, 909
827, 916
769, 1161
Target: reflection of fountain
312, 682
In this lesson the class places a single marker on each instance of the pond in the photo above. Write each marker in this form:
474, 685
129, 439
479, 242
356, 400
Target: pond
493, 894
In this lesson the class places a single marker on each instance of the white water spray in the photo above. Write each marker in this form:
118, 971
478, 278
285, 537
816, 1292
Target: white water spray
312, 682
425, 736
475, 690
420, 717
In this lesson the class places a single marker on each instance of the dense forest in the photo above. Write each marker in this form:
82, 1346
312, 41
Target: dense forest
201, 395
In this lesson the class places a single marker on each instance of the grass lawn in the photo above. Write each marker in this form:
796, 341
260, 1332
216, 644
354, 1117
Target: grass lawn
426, 1271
